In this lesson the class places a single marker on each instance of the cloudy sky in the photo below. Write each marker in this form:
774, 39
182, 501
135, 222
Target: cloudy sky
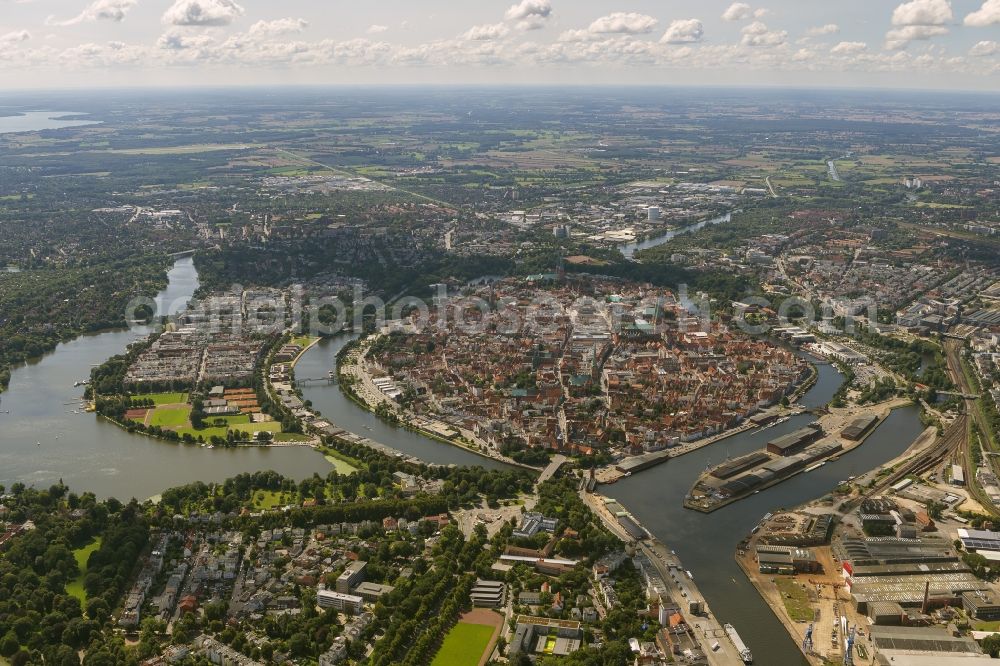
946, 44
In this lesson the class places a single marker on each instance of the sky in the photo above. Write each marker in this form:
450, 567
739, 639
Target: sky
917, 44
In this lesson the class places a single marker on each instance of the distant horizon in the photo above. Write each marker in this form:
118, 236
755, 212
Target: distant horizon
468, 85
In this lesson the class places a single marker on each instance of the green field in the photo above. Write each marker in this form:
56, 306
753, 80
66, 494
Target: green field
75, 586
796, 599
342, 466
268, 499
170, 417
163, 398
291, 437
464, 645
222, 431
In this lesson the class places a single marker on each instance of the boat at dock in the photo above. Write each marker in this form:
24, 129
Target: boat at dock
744, 651
816, 466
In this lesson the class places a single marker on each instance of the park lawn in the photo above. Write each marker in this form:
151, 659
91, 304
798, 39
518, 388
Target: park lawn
163, 398
983, 625
342, 466
303, 341
206, 433
464, 645
267, 499
238, 419
75, 586
266, 426
170, 417
796, 599
291, 437
222, 431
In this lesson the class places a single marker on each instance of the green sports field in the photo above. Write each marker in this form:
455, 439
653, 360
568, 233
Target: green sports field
163, 398
464, 645
170, 417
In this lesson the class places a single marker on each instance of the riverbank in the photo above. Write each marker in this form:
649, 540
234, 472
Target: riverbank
633, 464
680, 586
352, 371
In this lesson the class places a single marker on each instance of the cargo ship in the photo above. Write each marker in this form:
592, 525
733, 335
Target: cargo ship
744, 651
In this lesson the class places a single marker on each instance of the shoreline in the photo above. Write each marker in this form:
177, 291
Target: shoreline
361, 375
773, 598
611, 474
885, 409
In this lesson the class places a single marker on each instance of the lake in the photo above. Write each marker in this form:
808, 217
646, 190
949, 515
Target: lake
34, 121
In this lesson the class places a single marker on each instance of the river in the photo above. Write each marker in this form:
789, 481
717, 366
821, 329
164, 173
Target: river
705, 543
42, 440
629, 249
90, 454
334, 405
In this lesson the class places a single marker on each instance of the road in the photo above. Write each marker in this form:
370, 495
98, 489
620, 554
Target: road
834, 174
770, 187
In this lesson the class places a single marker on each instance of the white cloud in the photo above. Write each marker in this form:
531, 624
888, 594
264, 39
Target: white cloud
99, 10
15, 36
683, 31
628, 23
900, 38
820, 30
849, 48
737, 11
376, 29
981, 49
922, 12
203, 12
530, 14
481, 33
176, 40
988, 14
918, 20
758, 34
277, 27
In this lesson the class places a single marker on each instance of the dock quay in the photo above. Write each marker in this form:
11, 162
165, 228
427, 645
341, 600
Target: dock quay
798, 452
666, 574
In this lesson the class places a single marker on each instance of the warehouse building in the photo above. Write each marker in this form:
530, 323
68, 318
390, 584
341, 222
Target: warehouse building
784, 559
886, 613
794, 442
981, 605
859, 427
918, 646
735, 466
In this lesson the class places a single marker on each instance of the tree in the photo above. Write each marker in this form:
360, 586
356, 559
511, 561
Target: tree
8, 645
